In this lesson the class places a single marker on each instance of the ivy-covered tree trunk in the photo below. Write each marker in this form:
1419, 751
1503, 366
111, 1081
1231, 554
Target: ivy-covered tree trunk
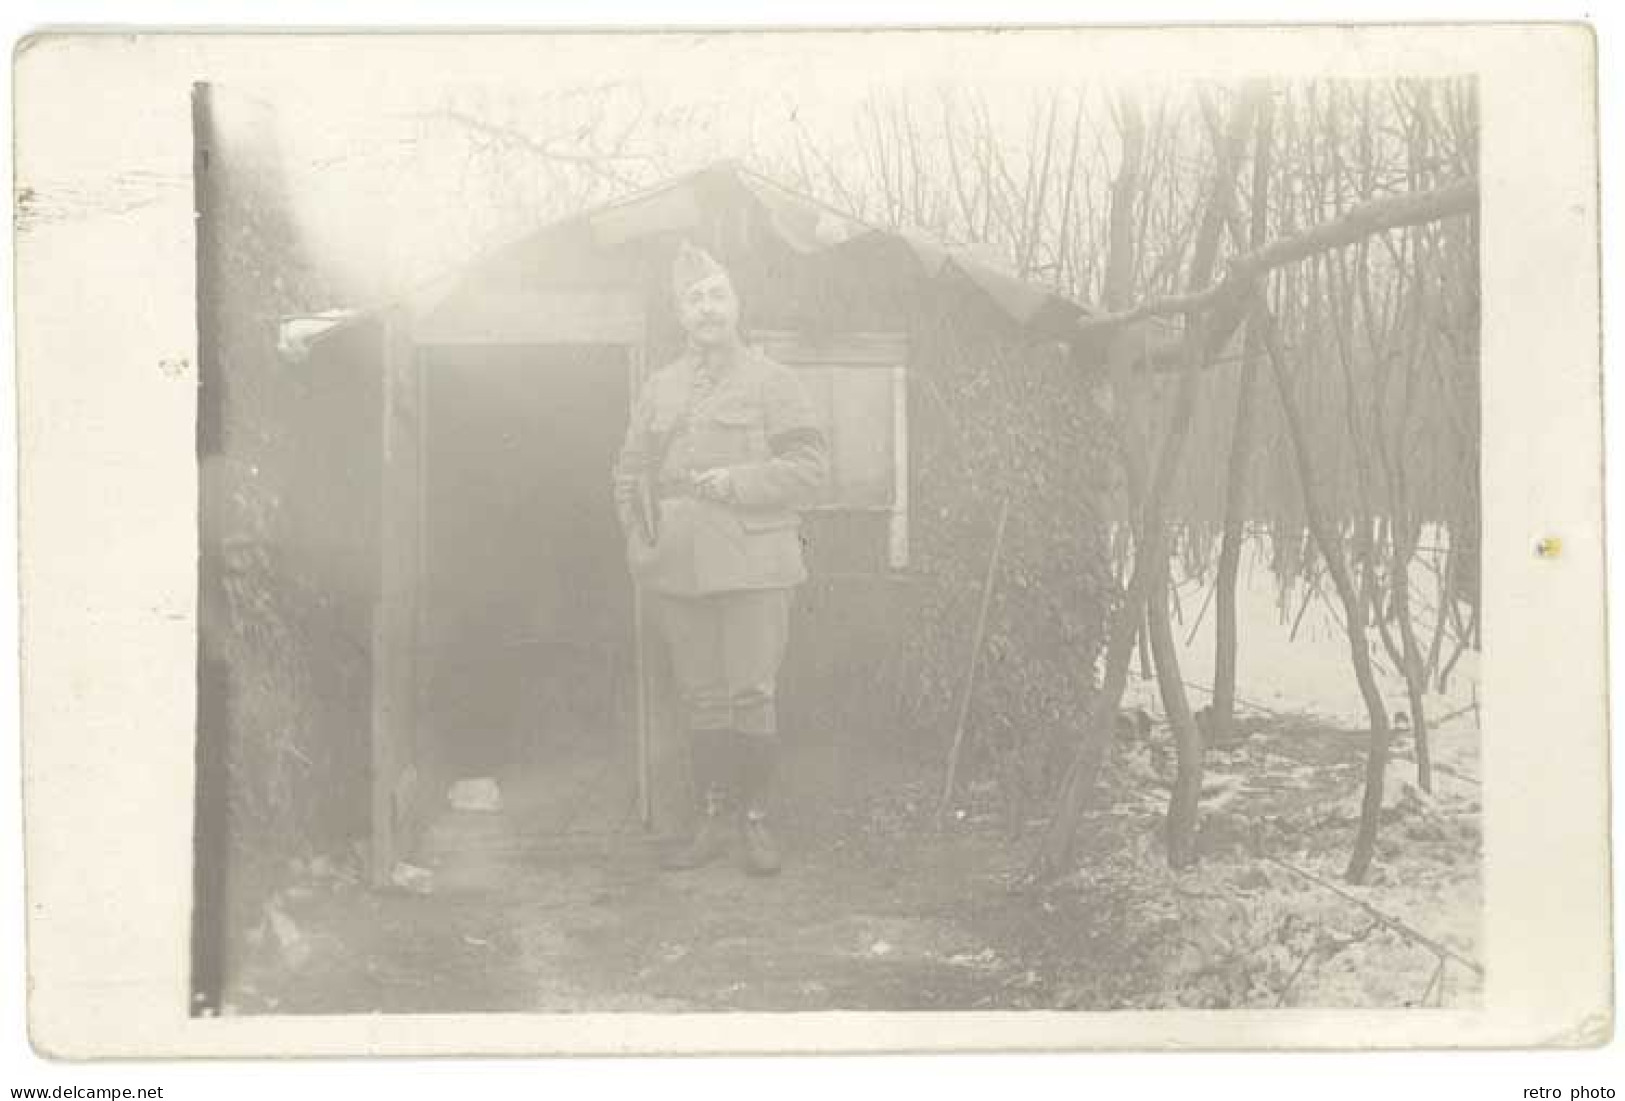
1054, 853
1150, 546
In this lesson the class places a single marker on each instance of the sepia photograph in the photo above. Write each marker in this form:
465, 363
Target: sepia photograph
932, 546
957, 531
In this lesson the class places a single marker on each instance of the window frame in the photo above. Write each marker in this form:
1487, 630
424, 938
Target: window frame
867, 351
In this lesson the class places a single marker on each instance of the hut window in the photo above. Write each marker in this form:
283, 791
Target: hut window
857, 384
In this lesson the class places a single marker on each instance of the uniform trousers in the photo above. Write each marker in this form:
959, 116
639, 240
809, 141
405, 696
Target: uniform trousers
726, 649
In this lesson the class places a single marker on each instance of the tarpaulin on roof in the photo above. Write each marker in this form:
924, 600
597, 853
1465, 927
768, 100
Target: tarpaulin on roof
809, 226
932, 254
804, 225
1020, 300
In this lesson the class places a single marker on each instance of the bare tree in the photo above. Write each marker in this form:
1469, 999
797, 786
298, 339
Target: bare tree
1183, 807
1241, 444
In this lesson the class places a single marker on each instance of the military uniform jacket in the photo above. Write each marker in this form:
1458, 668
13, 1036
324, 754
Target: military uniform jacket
752, 419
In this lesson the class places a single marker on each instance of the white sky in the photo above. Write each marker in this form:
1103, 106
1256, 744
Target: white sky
392, 202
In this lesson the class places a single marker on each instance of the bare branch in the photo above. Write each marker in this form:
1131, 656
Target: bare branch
1360, 222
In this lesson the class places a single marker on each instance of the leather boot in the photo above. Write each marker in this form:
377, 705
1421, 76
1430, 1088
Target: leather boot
713, 836
761, 852
711, 763
759, 763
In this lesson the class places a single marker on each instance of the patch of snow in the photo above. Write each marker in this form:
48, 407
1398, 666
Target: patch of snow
480, 795
1310, 673
410, 877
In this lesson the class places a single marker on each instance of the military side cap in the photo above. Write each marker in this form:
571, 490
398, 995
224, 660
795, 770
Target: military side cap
692, 265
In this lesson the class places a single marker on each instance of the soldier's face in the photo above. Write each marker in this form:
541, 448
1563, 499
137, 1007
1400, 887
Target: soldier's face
709, 311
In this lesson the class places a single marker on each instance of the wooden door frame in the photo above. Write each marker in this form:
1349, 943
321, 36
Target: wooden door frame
636, 372
395, 633
398, 632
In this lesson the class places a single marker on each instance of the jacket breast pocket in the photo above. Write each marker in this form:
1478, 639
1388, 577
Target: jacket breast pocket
735, 433
773, 548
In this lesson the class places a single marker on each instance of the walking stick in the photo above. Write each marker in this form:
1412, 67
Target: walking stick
952, 778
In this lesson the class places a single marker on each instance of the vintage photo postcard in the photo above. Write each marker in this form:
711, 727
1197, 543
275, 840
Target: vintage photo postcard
809, 541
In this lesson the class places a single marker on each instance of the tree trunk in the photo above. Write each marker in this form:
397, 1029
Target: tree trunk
1225, 641
1054, 854
1436, 648
1328, 542
1403, 532
1365, 840
1404, 527
1184, 806
1222, 716
1415, 674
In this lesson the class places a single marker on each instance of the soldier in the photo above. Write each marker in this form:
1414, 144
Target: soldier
721, 451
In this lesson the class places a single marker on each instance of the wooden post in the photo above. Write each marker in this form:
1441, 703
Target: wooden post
897, 532
396, 779
384, 655
421, 610
640, 671
382, 851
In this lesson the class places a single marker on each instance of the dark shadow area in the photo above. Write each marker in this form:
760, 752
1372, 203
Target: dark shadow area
527, 617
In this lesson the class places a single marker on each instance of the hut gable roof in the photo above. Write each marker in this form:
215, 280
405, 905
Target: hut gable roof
808, 225
804, 224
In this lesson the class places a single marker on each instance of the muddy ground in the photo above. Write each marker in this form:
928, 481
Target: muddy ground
879, 910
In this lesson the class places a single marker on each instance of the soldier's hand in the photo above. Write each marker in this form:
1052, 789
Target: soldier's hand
715, 485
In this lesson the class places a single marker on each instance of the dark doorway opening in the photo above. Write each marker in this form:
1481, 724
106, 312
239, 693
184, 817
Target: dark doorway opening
526, 623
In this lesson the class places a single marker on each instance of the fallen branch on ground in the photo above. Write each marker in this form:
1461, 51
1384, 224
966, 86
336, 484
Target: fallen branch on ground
1337, 945
1408, 932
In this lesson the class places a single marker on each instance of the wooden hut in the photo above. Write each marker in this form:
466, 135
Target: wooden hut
471, 535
